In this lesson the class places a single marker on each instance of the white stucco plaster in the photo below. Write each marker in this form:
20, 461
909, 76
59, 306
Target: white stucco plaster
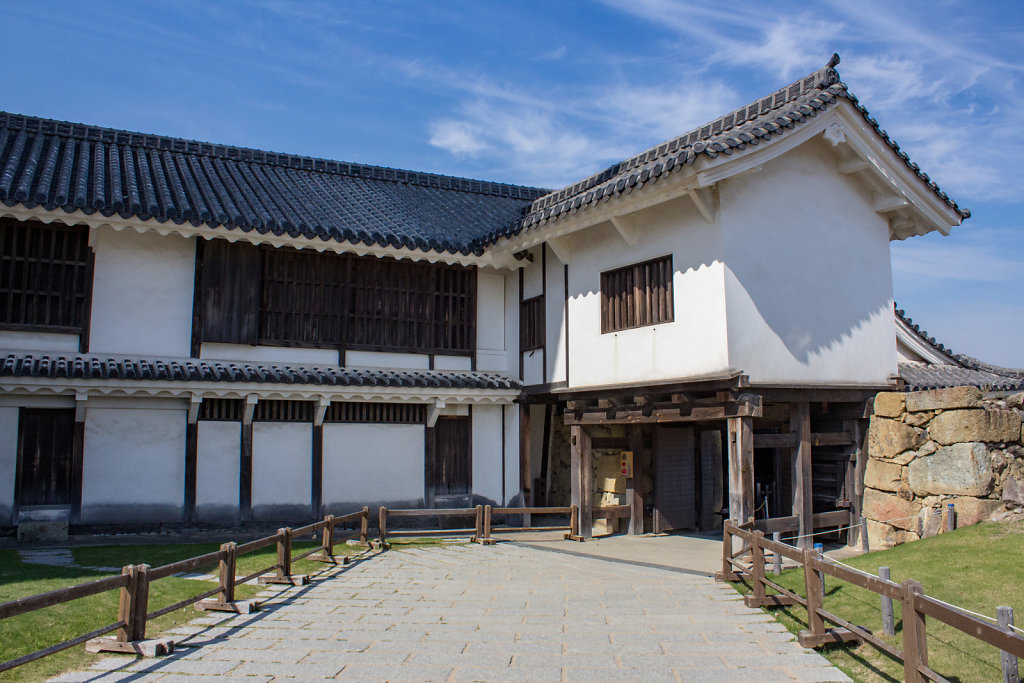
217, 469
133, 465
491, 321
533, 367
453, 363
533, 278
8, 462
487, 465
554, 312
808, 283
372, 463
282, 458
511, 414
280, 354
38, 341
385, 359
142, 293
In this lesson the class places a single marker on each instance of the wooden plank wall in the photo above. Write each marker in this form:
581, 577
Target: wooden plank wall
637, 295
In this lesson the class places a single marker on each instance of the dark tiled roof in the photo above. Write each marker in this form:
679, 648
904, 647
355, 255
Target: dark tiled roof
71, 166
963, 370
58, 366
760, 121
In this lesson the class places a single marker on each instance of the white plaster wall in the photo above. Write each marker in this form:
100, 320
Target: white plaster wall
453, 363
491, 323
142, 293
371, 463
282, 458
533, 367
260, 354
38, 341
808, 283
217, 469
554, 312
487, 455
533, 278
384, 359
694, 344
537, 412
511, 416
134, 464
8, 462
511, 321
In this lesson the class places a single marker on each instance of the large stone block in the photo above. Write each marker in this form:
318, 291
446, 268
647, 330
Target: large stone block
885, 476
888, 438
882, 536
973, 510
890, 404
944, 399
962, 426
880, 506
1013, 491
963, 469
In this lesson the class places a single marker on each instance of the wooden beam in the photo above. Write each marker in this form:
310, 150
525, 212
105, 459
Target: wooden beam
844, 438
854, 165
525, 460
316, 483
749, 405
704, 201
803, 495
245, 472
191, 469
581, 478
626, 227
741, 468
634, 498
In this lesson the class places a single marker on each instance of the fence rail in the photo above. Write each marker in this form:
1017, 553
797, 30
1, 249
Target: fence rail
916, 605
134, 582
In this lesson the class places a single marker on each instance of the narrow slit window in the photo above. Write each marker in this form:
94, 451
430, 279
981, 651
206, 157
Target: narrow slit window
637, 295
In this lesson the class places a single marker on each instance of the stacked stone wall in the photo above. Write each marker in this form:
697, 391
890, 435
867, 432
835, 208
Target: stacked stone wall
927, 449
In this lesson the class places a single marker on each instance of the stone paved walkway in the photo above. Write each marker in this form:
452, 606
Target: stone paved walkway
503, 613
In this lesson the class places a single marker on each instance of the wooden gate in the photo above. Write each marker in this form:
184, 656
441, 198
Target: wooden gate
449, 463
675, 490
45, 439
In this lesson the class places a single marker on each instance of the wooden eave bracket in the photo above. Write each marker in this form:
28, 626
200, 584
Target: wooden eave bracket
81, 399
889, 203
706, 201
627, 229
194, 402
321, 410
560, 247
250, 408
435, 412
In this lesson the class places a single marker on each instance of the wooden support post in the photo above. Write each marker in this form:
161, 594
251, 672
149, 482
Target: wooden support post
284, 562
488, 511
225, 602
634, 498
382, 527
581, 479
364, 527
915, 639
803, 496
1011, 674
326, 553
132, 609
777, 568
191, 463
888, 622
741, 468
525, 459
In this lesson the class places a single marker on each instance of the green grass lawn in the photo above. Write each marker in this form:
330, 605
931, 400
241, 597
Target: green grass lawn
42, 628
977, 568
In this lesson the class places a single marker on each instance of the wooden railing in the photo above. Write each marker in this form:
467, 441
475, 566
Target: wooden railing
134, 580
483, 515
916, 605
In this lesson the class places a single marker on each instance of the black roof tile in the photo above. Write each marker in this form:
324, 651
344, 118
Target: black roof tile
90, 367
69, 166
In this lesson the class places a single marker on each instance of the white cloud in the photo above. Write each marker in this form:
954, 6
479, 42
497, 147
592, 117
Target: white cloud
663, 112
461, 138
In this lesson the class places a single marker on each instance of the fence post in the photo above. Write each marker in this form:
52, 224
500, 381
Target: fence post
950, 517
915, 639
812, 637
488, 511
757, 570
328, 540
1011, 674
227, 572
865, 545
479, 524
777, 568
574, 522
284, 553
888, 623
364, 526
727, 573
820, 549
126, 604
382, 527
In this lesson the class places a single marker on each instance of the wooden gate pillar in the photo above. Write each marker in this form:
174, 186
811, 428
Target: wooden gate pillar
741, 468
803, 494
580, 477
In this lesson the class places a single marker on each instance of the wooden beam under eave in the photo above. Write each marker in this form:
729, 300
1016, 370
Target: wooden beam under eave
803, 493
704, 202
748, 406
626, 227
580, 478
741, 468
560, 247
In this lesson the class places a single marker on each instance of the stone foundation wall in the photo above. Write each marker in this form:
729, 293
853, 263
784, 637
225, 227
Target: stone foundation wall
930, 448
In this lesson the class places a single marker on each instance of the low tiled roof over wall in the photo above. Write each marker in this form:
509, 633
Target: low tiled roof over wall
70, 166
60, 366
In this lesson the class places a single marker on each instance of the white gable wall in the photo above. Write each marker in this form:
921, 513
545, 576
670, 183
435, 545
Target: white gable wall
808, 278
142, 293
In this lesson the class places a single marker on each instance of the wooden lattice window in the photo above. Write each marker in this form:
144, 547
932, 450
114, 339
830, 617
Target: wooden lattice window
44, 276
283, 411
637, 295
221, 409
531, 323
377, 413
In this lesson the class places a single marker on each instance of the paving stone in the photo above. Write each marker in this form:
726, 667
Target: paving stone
818, 674
633, 675
395, 673
526, 674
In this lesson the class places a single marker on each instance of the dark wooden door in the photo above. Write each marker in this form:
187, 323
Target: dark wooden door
675, 490
44, 456
448, 468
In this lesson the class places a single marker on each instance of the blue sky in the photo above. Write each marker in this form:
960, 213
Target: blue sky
545, 93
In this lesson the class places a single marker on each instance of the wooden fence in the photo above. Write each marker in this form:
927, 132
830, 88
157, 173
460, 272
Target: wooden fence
483, 529
134, 581
916, 605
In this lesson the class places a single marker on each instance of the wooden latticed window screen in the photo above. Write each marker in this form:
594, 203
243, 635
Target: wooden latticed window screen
44, 275
221, 409
283, 411
637, 295
531, 323
377, 413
